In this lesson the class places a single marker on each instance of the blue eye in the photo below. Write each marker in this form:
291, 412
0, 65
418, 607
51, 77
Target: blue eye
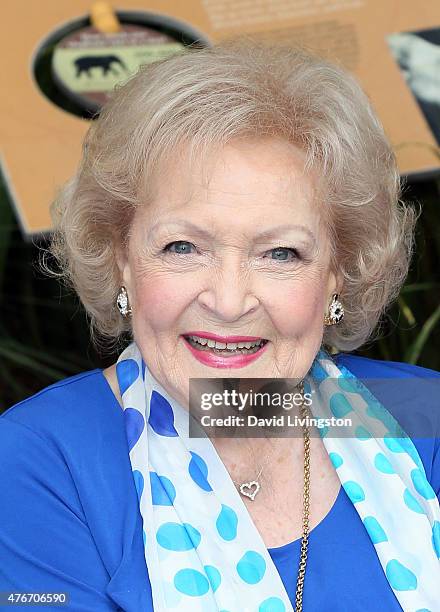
183, 247
283, 252
180, 244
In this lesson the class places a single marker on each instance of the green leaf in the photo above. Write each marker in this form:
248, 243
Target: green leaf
419, 287
413, 353
406, 310
66, 365
30, 363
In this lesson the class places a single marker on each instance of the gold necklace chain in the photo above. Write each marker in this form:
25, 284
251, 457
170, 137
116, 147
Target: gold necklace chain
306, 510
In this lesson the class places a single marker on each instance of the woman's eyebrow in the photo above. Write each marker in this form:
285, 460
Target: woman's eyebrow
278, 229
268, 233
185, 224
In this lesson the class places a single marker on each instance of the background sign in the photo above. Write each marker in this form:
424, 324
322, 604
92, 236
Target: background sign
88, 64
391, 47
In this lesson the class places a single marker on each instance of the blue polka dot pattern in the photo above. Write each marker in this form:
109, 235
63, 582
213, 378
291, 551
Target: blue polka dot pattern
340, 406
191, 582
174, 536
362, 433
409, 447
400, 577
161, 416
347, 384
383, 464
396, 430
202, 539
323, 431
317, 371
402, 445
251, 567
226, 523
138, 482
127, 372
436, 538
272, 604
336, 459
214, 576
377, 411
134, 426
354, 491
198, 470
393, 443
307, 386
375, 531
421, 484
411, 502
163, 492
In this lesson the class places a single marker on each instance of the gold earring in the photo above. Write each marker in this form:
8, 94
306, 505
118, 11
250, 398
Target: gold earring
335, 311
123, 303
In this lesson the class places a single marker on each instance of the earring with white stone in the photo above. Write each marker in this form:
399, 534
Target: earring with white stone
335, 311
123, 303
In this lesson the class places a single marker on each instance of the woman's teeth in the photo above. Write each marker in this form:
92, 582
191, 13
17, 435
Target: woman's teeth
205, 344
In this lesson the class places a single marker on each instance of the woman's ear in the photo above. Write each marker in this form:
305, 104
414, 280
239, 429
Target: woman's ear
335, 283
122, 261
339, 279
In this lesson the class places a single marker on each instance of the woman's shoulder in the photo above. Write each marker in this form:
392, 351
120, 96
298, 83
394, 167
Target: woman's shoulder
73, 420
411, 394
69, 433
66, 473
67, 407
365, 366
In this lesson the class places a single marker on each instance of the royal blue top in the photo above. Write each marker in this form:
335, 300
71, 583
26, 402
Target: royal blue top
70, 520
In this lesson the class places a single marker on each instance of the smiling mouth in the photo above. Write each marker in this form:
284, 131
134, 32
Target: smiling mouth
209, 346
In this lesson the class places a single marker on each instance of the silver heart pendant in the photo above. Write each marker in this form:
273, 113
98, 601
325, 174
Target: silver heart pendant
250, 489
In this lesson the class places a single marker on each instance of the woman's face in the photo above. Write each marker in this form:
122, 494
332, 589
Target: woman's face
235, 247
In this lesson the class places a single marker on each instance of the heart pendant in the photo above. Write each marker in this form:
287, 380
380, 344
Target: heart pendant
250, 489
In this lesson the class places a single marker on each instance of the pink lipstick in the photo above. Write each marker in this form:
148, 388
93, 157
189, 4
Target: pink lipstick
224, 357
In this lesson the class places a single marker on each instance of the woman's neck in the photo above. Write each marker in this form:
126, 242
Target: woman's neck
244, 457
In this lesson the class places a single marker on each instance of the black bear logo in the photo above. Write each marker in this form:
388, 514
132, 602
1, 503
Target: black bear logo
84, 64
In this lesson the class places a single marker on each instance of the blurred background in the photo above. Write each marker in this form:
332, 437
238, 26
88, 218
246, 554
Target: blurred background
44, 334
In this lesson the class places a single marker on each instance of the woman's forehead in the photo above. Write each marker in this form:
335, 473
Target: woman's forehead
245, 173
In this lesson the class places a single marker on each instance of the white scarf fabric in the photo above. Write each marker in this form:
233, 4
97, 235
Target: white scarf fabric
202, 549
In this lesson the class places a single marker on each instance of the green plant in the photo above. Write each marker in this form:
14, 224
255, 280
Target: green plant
411, 330
43, 332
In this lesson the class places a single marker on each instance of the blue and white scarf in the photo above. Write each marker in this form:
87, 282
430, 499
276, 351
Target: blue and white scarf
202, 549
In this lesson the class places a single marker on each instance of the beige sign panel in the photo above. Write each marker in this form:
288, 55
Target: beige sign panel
391, 46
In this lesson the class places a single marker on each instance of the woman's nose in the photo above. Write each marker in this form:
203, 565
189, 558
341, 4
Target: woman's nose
228, 291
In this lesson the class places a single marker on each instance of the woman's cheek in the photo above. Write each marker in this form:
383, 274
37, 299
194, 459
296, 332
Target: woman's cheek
299, 310
160, 301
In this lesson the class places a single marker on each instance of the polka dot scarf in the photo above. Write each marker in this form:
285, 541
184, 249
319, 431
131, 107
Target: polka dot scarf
202, 549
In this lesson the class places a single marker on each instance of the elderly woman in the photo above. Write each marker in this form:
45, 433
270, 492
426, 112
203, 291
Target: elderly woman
236, 213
